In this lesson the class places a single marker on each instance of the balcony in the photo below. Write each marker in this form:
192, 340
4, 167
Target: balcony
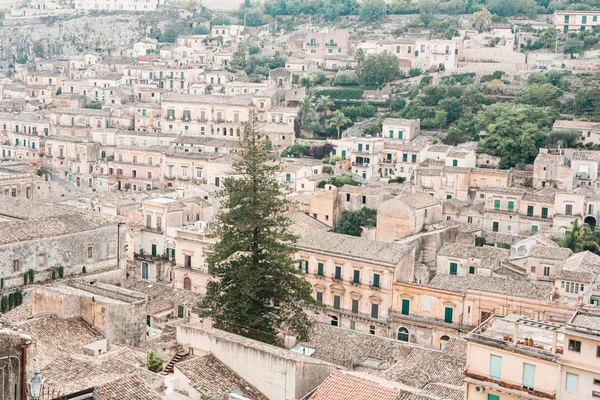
361, 165
375, 287
355, 282
186, 118
170, 117
507, 386
331, 44
336, 278
318, 275
169, 177
183, 178
152, 229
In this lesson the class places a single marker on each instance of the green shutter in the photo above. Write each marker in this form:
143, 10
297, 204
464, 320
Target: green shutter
148, 319
179, 311
356, 276
376, 280
471, 270
530, 211
405, 307
496, 204
336, 302
320, 268
453, 268
511, 206
355, 306
544, 212
448, 314
495, 367
400, 134
338, 272
404, 157
492, 397
528, 375
374, 310
413, 158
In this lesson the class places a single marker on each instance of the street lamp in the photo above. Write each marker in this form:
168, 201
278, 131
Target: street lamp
35, 386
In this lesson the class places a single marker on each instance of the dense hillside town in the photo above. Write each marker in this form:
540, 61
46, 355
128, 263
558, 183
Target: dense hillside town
285, 199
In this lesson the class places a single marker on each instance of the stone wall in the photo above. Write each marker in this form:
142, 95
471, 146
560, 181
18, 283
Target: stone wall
68, 251
276, 372
11, 362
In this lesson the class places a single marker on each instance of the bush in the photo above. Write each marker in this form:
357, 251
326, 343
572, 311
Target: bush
334, 160
492, 76
220, 20
25, 278
346, 78
503, 245
320, 152
295, 150
154, 363
398, 179
414, 72
397, 103
345, 93
352, 222
479, 241
200, 30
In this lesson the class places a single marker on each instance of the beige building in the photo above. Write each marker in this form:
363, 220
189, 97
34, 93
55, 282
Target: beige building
399, 128
461, 259
403, 216
517, 357
569, 20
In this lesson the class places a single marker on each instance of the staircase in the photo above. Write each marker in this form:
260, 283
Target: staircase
181, 354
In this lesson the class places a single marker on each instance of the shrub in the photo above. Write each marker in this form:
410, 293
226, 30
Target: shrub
320, 152
352, 222
346, 78
479, 241
334, 160
31, 276
154, 363
345, 93
414, 72
397, 103
25, 278
398, 179
95, 105
83, 270
295, 150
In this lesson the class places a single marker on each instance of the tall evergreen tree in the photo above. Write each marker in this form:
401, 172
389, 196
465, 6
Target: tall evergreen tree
258, 290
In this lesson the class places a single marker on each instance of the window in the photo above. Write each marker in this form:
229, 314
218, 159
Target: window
597, 352
144, 270
187, 261
492, 397
347, 196
180, 311
469, 220
356, 276
511, 206
496, 205
353, 325
568, 209
42, 259
336, 302
471, 270
448, 197
572, 383
354, 306
495, 226
544, 212
405, 306
364, 199
413, 158
403, 334
320, 297
372, 329
338, 273
495, 367
16, 265
575, 346
530, 211
187, 284
90, 252
427, 303
376, 278
320, 268
534, 229
448, 311
455, 163
546, 271
453, 268
528, 376
404, 157
374, 310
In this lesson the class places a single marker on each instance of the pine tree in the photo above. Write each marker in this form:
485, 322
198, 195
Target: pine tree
258, 290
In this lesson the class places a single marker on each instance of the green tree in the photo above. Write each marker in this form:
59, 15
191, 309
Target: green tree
338, 121
346, 78
540, 94
258, 290
453, 109
587, 101
38, 50
324, 104
529, 8
379, 69
352, 222
169, 36
372, 10
220, 20
503, 8
576, 237
548, 38
574, 46
482, 20
308, 80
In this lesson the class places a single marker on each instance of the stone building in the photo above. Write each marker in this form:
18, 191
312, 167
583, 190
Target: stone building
52, 241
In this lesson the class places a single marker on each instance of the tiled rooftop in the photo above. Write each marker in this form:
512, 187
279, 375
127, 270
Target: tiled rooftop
214, 379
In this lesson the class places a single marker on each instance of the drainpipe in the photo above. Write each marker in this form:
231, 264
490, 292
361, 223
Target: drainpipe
24, 371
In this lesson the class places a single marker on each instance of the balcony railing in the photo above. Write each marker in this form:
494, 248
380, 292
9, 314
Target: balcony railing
334, 277
319, 275
354, 281
373, 286
512, 386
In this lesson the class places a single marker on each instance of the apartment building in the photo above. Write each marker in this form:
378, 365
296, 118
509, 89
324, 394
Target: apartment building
400, 128
221, 116
318, 45
400, 160
569, 20
512, 356
589, 131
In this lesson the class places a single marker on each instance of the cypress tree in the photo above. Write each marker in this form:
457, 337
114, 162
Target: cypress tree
258, 290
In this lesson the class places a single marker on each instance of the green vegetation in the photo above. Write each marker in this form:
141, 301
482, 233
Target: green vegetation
339, 181
154, 363
379, 69
258, 290
95, 105
352, 222
579, 237
11, 301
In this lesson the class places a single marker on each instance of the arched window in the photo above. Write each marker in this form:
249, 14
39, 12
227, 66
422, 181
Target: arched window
187, 283
444, 341
334, 321
403, 334
144, 270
